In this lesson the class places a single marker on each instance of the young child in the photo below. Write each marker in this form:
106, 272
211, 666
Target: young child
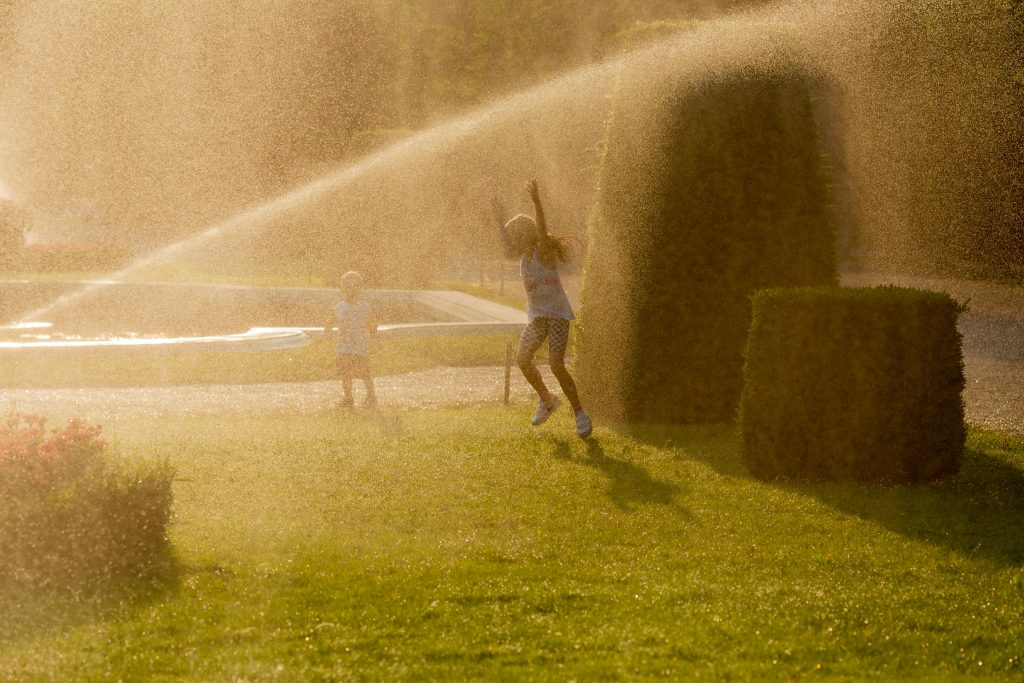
548, 309
353, 318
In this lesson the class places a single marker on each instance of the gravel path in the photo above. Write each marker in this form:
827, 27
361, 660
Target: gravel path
425, 389
994, 395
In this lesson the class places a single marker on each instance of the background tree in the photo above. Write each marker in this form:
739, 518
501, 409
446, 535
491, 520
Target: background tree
14, 224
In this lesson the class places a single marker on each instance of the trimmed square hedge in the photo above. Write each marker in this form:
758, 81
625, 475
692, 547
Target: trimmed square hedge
711, 188
853, 385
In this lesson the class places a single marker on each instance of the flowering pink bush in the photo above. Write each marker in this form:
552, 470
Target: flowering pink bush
29, 453
68, 514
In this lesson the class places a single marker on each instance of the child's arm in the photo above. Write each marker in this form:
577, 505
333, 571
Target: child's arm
544, 241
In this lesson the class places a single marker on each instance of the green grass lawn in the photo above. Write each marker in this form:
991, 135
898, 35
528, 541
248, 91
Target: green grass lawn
462, 544
120, 368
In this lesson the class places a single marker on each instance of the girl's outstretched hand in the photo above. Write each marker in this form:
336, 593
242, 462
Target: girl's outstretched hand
532, 190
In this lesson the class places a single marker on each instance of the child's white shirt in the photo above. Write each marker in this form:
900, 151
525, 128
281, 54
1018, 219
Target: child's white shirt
353, 334
545, 296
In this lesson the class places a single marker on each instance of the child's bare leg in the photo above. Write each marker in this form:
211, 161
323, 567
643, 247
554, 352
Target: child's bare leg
532, 375
565, 379
533, 337
346, 387
558, 341
371, 396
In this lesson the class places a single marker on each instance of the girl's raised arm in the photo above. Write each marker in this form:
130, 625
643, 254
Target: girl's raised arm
544, 241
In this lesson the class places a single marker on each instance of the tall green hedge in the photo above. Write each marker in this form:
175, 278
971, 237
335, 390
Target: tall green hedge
711, 188
853, 384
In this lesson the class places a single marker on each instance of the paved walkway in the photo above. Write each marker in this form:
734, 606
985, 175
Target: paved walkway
994, 395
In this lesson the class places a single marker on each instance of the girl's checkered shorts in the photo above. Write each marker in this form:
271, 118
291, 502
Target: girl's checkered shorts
557, 331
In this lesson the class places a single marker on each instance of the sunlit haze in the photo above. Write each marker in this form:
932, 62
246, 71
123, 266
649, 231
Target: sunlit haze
511, 339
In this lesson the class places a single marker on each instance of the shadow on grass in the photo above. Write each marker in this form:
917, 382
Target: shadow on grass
714, 445
978, 512
32, 611
631, 484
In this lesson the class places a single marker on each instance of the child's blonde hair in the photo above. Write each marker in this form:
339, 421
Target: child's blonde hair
352, 279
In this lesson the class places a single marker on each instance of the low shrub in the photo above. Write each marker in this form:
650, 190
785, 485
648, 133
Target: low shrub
70, 515
853, 384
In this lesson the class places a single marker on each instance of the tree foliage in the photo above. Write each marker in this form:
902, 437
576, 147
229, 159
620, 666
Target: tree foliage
14, 225
412, 61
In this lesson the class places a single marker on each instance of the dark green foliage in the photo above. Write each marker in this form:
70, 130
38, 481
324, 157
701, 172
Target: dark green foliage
69, 515
14, 222
70, 258
950, 193
853, 384
713, 188
104, 525
446, 54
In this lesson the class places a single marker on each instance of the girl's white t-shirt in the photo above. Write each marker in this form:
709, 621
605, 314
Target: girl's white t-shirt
545, 296
353, 334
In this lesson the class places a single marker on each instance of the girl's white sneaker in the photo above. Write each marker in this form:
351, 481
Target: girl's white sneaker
583, 424
544, 410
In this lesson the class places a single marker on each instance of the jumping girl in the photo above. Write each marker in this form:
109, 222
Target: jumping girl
548, 308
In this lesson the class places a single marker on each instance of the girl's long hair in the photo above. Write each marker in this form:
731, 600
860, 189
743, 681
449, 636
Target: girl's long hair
563, 248
521, 224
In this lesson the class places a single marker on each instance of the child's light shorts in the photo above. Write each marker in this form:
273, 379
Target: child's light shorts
353, 364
